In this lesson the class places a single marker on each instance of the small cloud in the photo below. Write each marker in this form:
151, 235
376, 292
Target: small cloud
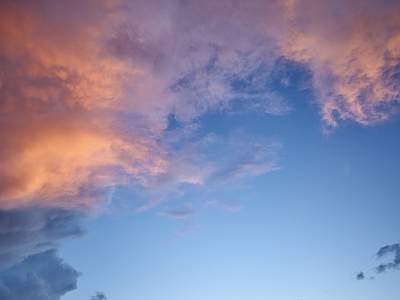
394, 263
173, 213
360, 276
229, 207
184, 232
99, 296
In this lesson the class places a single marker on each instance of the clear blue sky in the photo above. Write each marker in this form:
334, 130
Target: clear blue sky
199, 150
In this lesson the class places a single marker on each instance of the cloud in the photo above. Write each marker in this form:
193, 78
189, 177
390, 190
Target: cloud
99, 296
184, 232
30, 267
229, 207
86, 100
88, 89
395, 263
28, 231
360, 276
174, 213
42, 276
352, 49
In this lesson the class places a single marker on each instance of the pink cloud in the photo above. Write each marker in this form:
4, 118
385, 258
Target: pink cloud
87, 87
349, 46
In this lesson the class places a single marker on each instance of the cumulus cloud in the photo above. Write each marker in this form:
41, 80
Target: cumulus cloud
42, 276
28, 231
30, 267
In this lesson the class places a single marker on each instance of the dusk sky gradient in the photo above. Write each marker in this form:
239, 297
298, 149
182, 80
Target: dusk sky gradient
196, 150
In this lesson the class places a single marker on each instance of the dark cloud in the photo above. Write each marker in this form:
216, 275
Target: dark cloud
395, 263
360, 276
393, 249
99, 296
30, 267
28, 231
42, 276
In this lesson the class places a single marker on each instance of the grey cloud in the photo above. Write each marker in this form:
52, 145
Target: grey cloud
28, 231
42, 276
360, 276
395, 263
99, 296
30, 268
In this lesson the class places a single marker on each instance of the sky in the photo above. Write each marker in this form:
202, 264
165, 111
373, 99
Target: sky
196, 150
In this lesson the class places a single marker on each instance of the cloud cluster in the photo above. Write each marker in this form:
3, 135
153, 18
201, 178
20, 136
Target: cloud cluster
86, 100
88, 90
352, 48
395, 263
29, 231
29, 264
42, 276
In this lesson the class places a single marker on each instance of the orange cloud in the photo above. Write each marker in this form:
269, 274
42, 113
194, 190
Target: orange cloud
64, 159
87, 88
60, 91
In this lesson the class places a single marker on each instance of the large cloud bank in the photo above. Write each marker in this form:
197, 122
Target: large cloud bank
88, 90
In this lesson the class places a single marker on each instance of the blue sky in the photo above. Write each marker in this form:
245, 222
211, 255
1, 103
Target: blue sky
303, 231
199, 150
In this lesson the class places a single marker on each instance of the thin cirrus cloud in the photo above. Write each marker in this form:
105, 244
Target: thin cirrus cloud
87, 89
175, 213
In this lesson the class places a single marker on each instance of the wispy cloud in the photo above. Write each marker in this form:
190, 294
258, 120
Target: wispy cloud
353, 51
175, 213
185, 231
229, 207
